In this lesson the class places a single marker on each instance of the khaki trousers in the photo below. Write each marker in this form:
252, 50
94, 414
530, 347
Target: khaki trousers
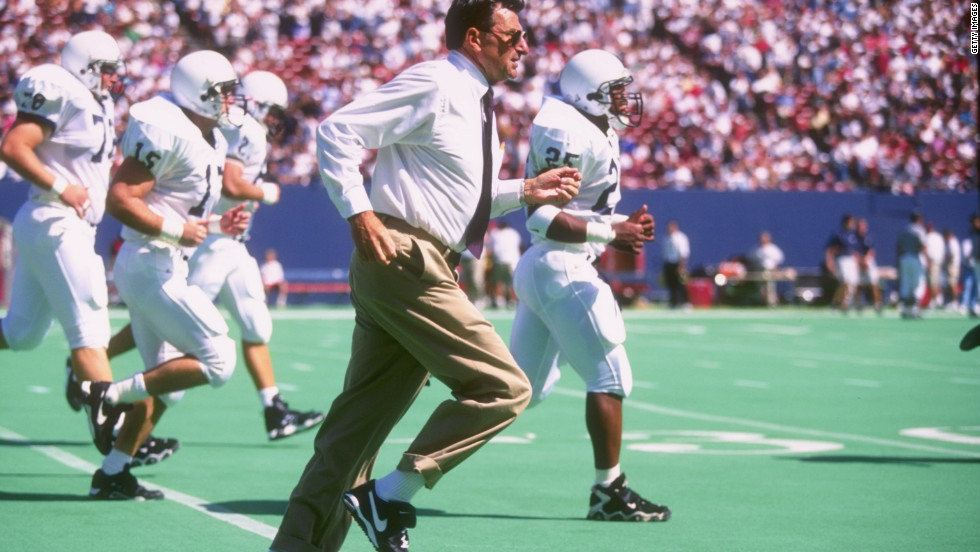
412, 320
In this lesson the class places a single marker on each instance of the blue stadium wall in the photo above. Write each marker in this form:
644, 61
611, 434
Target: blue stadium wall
309, 235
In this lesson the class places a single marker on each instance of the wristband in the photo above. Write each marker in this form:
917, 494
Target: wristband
214, 225
172, 230
599, 232
270, 193
59, 185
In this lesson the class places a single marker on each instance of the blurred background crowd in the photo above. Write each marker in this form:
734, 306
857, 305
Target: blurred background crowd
739, 94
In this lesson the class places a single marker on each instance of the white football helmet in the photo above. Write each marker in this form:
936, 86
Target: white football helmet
90, 54
266, 98
204, 82
588, 82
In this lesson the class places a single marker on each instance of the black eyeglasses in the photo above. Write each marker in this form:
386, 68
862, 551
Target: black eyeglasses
511, 39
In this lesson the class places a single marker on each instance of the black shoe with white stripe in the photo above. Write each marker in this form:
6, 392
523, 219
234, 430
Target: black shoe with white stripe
102, 415
121, 486
617, 502
153, 450
282, 422
383, 522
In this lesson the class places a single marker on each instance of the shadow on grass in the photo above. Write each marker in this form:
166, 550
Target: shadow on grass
278, 508
44, 497
28, 443
920, 461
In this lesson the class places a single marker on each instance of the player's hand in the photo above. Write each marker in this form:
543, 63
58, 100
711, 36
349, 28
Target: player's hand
77, 198
553, 187
234, 221
631, 233
194, 233
371, 238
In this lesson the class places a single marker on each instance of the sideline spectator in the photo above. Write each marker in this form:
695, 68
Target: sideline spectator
505, 250
951, 269
910, 250
768, 257
971, 269
676, 252
935, 255
869, 282
841, 257
274, 279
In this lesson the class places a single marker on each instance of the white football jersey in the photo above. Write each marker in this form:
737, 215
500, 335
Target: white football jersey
82, 145
186, 167
562, 136
248, 144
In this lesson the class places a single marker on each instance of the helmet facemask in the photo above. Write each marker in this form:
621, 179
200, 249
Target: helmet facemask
222, 99
625, 108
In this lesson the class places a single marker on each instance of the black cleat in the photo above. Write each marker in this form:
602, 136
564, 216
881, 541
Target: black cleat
154, 450
617, 502
383, 522
73, 390
122, 486
282, 422
103, 416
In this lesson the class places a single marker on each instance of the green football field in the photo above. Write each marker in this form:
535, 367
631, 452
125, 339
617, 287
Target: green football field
764, 430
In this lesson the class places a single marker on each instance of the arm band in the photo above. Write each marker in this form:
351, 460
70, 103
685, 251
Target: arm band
599, 232
59, 185
172, 230
270, 193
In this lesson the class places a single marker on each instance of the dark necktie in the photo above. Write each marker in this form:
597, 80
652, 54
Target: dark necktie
478, 225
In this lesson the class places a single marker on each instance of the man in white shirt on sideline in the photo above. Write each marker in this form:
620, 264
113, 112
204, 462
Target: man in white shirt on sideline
676, 251
935, 252
504, 247
768, 256
433, 191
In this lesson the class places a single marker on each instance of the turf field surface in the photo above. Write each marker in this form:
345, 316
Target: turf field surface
763, 430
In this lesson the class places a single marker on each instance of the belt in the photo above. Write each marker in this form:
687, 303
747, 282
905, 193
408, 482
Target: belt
395, 223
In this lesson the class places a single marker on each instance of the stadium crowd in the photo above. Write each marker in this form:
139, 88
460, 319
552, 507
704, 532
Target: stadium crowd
739, 94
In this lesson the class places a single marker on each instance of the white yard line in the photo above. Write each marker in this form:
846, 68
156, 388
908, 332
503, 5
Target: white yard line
203, 506
649, 407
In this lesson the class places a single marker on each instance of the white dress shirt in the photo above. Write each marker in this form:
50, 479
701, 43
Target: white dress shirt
426, 125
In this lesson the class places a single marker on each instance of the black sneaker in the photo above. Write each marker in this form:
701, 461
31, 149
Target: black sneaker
154, 450
282, 422
617, 502
102, 415
122, 486
383, 522
73, 390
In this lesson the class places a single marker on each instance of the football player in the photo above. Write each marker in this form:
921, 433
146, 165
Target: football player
222, 266
566, 313
63, 142
164, 193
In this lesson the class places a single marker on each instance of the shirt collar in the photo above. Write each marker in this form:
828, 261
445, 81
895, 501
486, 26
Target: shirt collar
464, 63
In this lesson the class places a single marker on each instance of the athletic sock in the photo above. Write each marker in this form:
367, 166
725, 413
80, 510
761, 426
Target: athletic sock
605, 477
115, 462
129, 390
266, 395
399, 486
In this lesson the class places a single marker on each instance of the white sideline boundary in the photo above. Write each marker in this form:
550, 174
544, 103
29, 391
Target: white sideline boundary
217, 512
